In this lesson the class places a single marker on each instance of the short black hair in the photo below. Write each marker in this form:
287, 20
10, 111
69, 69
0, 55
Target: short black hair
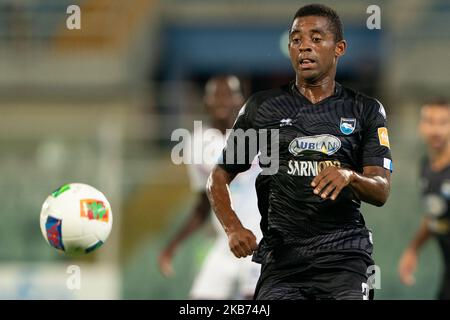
323, 11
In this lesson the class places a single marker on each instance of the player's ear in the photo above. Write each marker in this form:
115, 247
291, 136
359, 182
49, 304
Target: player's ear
340, 48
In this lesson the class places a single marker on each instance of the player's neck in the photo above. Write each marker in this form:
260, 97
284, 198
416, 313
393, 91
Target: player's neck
318, 90
439, 159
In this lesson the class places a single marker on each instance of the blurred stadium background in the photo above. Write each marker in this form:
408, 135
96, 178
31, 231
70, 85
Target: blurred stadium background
98, 106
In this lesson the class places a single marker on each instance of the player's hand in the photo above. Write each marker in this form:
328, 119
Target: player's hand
242, 242
407, 266
330, 182
165, 262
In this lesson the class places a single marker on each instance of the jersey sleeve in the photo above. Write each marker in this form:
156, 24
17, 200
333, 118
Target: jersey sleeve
376, 147
242, 142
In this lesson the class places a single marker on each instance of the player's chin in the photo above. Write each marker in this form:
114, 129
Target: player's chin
308, 74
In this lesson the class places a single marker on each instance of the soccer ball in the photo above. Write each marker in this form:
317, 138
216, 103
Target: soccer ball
76, 218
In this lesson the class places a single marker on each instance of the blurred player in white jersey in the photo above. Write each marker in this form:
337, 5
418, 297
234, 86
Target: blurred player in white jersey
222, 276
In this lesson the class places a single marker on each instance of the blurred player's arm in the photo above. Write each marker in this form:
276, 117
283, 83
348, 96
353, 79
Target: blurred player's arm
195, 220
242, 241
372, 186
408, 261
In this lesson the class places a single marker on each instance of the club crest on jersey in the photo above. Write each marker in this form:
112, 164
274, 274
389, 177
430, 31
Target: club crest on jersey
324, 143
347, 125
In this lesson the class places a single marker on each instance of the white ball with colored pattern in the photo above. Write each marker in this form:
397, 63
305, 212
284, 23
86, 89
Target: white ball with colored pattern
76, 218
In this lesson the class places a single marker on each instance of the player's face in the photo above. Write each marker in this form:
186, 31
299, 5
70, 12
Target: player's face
313, 49
434, 126
221, 101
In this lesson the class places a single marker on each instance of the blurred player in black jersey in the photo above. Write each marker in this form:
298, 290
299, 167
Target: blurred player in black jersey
434, 127
333, 153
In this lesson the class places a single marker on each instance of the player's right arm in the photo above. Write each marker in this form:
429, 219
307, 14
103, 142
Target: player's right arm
242, 242
408, 260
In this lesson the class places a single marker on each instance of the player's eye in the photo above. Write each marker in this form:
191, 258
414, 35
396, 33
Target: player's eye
316, 39
295, 40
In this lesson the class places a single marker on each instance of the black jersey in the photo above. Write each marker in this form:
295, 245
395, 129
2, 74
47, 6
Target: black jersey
436, 205
347, 129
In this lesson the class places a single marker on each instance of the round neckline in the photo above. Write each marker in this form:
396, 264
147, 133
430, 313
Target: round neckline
337, 91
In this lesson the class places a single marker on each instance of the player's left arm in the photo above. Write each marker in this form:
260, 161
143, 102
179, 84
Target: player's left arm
371, 186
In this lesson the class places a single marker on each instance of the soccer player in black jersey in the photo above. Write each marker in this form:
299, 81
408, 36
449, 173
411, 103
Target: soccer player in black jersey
332, 153
434, 127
